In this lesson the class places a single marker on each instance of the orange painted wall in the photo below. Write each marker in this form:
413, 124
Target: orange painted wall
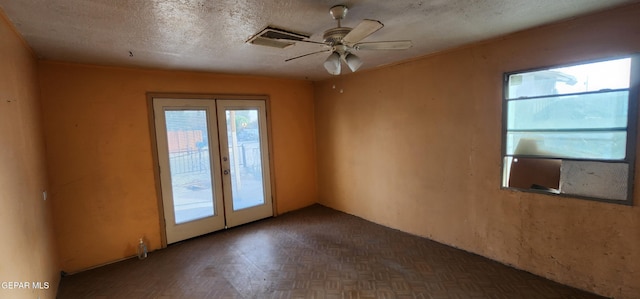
417, 147
27, 251
100, 154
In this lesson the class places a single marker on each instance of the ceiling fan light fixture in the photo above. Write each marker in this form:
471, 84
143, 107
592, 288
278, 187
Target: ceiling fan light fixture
354, 62
332, 64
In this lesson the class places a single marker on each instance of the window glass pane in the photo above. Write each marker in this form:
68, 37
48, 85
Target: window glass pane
612, 74
606, 145
586, 111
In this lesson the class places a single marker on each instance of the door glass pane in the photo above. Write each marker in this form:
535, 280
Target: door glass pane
190, 165
245, 157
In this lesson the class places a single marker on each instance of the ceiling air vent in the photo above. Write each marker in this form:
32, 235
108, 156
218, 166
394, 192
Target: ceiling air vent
276, 38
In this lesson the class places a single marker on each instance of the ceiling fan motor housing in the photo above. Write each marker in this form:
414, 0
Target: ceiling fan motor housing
334, 36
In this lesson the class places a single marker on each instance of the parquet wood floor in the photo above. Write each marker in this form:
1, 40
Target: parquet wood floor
315, 252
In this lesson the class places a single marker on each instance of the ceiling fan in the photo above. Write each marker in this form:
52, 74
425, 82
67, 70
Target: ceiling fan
342, 41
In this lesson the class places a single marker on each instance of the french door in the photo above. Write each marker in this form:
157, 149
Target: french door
214, 164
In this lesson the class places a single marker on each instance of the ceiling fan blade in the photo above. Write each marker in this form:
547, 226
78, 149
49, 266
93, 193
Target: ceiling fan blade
390, 45
364, 29
302, 41
323, 51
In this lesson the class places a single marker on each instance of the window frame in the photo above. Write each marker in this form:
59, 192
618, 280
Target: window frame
632, 130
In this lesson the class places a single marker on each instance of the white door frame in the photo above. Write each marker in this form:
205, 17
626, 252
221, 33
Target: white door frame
242, 216
267, 158
177, 232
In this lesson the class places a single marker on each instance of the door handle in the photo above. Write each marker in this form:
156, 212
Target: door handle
226, 171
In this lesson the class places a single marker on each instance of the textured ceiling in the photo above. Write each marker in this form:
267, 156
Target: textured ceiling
210, 35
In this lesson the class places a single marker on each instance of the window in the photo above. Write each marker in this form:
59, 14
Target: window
571, 130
